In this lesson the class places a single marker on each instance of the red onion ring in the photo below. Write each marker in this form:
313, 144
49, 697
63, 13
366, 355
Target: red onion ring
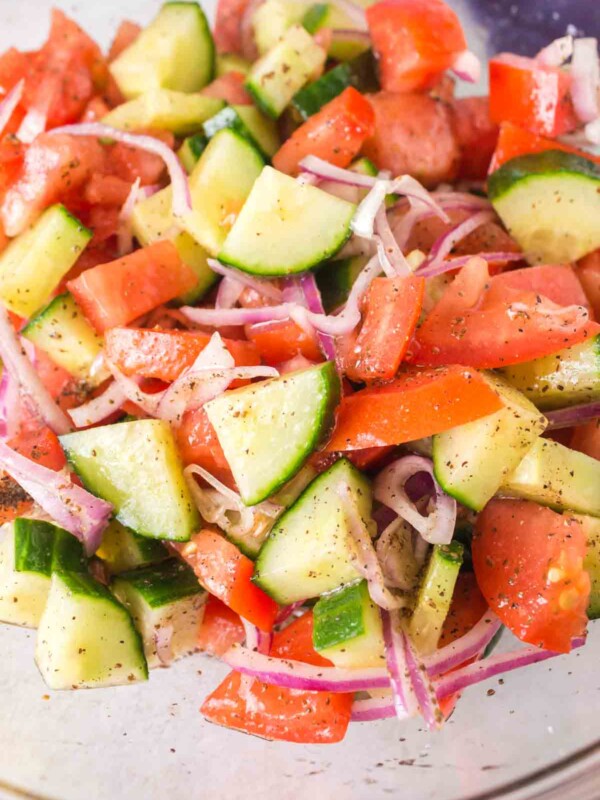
404, 699
262, 286
471, 645
424, 690
467, 66
434, 263
124, 229
575, 415
99, 408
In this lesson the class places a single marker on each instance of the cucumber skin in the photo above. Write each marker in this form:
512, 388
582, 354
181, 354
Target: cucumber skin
164, 583
338, 616
528, 166
45, 548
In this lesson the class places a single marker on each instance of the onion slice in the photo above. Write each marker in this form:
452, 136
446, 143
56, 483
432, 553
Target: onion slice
405, 700
228, 293
556, 53
262, 286
467, 66
434, 263
423, 688
585, 79
99, 408
375, 708
9, 103
163, 643
314, 303
471, 645
124, 229
575, 415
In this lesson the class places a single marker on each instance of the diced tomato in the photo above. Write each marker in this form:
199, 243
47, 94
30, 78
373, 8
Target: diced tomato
557, 282
414, 405
483, 324
282, 340
13, 67
588, 272
12, 153
38, 443
279, 713
514, 141
164, 354
476, 135
130, 163
336, 133
14, 501
126, 34
103, 221
226, 573
95, 110
229, 87
118, 292
415, 41
106, 190
392, 310
227, 33
467, 608
586, 439
529, 565
413, 134
198, 444
531, 95
221, 627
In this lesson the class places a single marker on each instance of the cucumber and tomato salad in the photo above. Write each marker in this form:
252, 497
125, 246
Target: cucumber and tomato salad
248, 364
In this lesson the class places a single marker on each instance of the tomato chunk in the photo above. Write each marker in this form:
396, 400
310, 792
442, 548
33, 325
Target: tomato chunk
225, 572
514, 141
529, 565
415, 40
336, 133
282, 340
126, 34
227, 33
586, 438
394, 413
221, 627
229, 87
279, 713
526, 93
588, 272
118, 292
198, 444
476, 135
467, 608
557, 282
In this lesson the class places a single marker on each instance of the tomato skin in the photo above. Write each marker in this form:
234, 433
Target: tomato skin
221, 627
514, 141
130, 163
38, 443
336, 133
530, 95
226, 573
476, 135
106, 190
198, 444
281, 340
529, 565
227, 33
586, 439
118, 292
467, 608
126, 34
229, 87
413, 134
415, 40
557, 282
588, 272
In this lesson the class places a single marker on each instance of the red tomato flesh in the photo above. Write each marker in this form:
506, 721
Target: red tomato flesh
126, 34
476, 135
282, 340
557, 282
229, 87
221, 627
514, 141
198, 444
227, 33
588, 272
586, 439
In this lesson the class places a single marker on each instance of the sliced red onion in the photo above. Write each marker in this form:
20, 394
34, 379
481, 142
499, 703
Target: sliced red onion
292, 292
467, 66
182, 200
223, 317
124, 229
592, 134
314, 303
99, 408
376, 708
228, 293
257, 640
390, 255
585, 79
69, 505
556, 53
288, 611
495, 665
389, 488
261, 285
471, 645
328, 172
445, 244
456, 263
10, 405
33, 123
353, 11
423, 688
405, 699
576, 415
305, 677
9, 103
395, 553
23, 373
130, 389
163, 644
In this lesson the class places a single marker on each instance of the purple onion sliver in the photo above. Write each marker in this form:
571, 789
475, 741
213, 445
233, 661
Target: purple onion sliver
314, 303
99, 408
261, 285
287, 611
575, 415
374, 708
423, 689
585, 79
468, 646
460, 261
446, 242
228, 293
404, 698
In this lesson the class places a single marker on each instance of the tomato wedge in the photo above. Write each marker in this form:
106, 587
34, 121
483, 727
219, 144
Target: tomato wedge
221, 627
227, 32
282, 340
586, 438
278, 713
514, 141
467, 608
479, 322
226, 573
588, 272
476, 135
198, 444
126, 34
557, 282
335, 133
415, 40
414, 405
229, 87
529, 565
118, 292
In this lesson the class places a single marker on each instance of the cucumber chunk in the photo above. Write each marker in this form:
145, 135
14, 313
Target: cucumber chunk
176, 51
309, 549
136, 467
591, 527
347, 628
86, 638
249, 122
220, 183
164, 109
30, 550
336, 278
276, 77
550, 203
555, 476
315, 17
231, 62
267, 430
269, 237
62, 331
272, 19
569, 377
165, 597
34, 263
122, 550
472, 461
435, 596
336, 18
190, 151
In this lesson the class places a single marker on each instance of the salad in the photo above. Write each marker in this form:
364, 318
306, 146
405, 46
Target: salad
300, 359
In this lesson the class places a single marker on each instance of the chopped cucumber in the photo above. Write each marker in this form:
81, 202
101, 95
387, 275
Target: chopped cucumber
276, 77
249, 122
34, 263
347, 628
331, 15
336, 278
272, 19
190, 151
315, 17
564, 379
152, 220
550, 203
220, 183
267, 430
136, 467
30, 550
556, 476
176, 51
165, 597
62, 331
165, 110
473, 460
86, 638
123, 550
435, 596
310, 549
591, 527
269, 237
231, 62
